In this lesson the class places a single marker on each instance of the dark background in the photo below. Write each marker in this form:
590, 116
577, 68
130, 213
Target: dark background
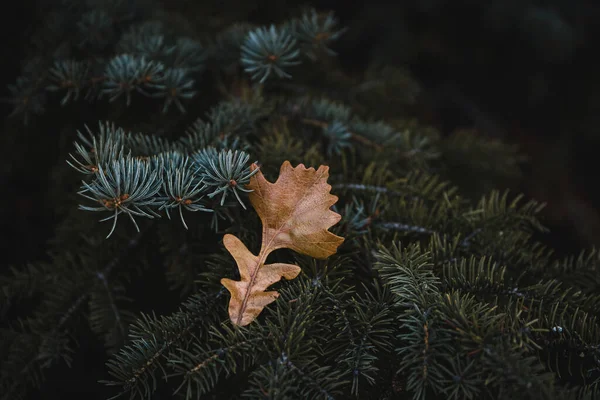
524, 71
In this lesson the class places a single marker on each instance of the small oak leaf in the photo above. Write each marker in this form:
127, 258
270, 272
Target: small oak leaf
248, 296
295, 214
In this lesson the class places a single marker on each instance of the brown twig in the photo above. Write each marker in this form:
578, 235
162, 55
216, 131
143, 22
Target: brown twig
355, 136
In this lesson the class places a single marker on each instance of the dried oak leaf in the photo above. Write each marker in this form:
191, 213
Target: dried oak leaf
295, 214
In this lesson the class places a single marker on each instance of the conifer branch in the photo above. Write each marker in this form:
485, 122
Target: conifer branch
441, 288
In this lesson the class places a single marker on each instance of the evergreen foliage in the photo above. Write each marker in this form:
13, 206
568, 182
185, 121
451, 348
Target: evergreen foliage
441, 289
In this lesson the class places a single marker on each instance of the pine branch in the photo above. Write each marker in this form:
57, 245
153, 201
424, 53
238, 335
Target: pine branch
439, 290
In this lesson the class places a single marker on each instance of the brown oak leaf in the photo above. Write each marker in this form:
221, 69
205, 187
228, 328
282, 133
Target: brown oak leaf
295, 214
